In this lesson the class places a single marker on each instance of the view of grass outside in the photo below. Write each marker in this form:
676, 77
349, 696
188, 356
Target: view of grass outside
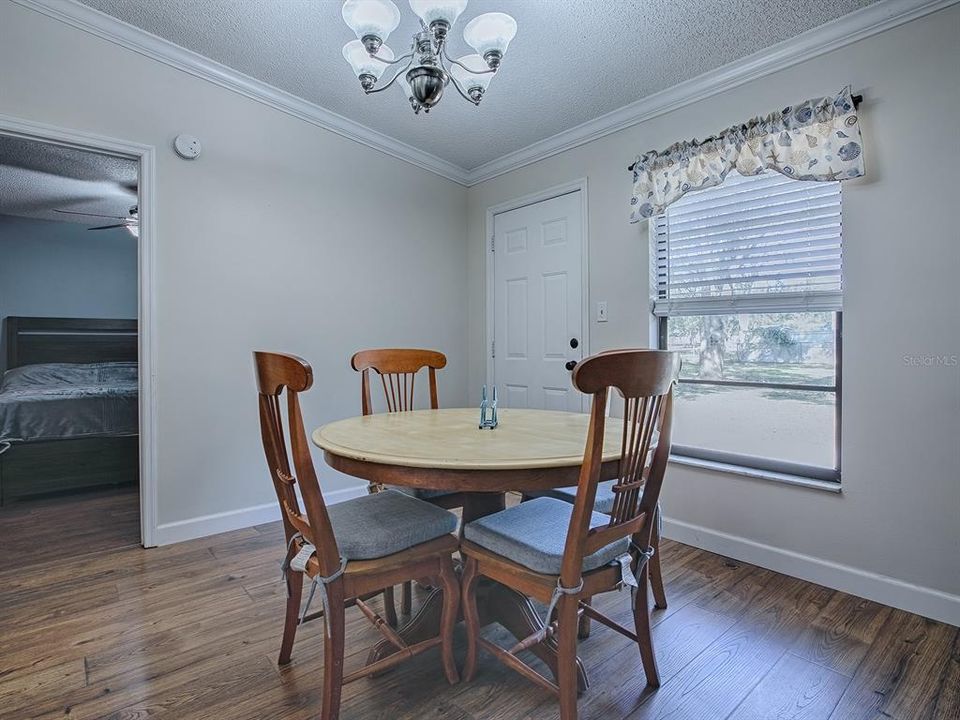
795, 425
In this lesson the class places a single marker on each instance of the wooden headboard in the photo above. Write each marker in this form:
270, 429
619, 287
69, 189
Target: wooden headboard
32, 340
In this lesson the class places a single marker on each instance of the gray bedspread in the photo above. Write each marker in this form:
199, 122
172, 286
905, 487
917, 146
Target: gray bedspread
54, 401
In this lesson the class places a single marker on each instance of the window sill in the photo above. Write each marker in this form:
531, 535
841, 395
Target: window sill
798, 480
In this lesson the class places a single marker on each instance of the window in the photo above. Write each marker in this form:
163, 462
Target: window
748, 290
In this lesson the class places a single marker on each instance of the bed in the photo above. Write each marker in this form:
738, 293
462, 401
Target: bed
69, 414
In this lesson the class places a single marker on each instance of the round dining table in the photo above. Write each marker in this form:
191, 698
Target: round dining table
528, 451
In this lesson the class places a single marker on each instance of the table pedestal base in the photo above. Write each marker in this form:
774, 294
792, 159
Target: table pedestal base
497, 604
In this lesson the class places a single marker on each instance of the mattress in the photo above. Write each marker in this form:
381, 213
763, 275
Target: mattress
55, 401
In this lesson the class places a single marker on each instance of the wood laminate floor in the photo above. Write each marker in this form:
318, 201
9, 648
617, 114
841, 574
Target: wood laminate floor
192, 630
83, 522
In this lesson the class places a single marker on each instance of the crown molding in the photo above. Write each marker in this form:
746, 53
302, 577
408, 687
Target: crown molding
848, 29
140, 41
845, 30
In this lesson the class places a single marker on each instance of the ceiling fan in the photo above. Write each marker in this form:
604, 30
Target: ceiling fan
131, 222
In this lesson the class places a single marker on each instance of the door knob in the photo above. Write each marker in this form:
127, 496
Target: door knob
574, 343
571, 364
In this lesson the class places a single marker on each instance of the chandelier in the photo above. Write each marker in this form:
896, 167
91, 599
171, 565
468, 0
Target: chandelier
427, 69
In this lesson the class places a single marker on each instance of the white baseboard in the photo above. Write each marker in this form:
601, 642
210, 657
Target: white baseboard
198, 527
925, 601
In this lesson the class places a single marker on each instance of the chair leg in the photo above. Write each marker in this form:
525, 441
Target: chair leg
641, 620
583, 630
406, 598
390, 607
471, 617
567, 656
333, 621
448, 619
295, 581
656, 572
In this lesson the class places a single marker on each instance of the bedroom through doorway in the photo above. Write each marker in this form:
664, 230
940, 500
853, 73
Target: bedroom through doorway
69, 351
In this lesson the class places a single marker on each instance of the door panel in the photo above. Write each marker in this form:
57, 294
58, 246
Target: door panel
556, 398
516, 397
516, 318
556, 333
537, 303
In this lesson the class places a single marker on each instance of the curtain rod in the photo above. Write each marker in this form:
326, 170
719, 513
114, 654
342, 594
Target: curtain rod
857, 99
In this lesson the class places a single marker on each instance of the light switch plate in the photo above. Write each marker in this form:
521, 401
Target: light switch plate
602, 311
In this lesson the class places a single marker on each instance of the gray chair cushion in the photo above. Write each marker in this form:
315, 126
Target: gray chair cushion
420, 492
533, 534
384, 523
602, 503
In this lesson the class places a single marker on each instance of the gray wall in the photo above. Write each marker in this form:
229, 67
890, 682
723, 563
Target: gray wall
895, 526
59, 269
280, 236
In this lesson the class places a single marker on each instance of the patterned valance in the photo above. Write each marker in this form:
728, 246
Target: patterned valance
816, 140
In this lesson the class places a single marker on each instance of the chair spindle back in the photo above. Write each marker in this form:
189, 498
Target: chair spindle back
397, 368
645, 379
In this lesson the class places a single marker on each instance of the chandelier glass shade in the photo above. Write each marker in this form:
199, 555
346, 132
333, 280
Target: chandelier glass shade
371, 17
426, 70
472, 80
490, 33
363, 63
431, 11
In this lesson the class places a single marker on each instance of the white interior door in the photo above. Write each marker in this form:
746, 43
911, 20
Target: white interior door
538, 303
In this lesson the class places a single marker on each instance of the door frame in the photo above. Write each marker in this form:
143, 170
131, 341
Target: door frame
145, 155
550, 193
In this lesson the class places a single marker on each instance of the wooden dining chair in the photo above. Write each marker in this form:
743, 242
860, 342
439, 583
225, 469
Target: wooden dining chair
397, 369
359, 546
563, 554
605, 499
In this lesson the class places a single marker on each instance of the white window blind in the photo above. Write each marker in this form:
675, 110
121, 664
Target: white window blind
764, 243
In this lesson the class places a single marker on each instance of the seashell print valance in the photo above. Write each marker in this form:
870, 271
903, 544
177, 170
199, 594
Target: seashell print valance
816, 140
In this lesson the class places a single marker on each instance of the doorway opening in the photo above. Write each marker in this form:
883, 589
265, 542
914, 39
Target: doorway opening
74, 387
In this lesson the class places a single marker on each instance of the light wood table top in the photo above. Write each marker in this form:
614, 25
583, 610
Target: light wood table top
449, 439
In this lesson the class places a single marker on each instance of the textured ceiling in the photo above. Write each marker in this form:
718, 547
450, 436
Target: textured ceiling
36, 178
572, 60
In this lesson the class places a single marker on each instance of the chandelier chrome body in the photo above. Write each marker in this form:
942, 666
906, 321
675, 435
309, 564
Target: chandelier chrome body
425, 71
